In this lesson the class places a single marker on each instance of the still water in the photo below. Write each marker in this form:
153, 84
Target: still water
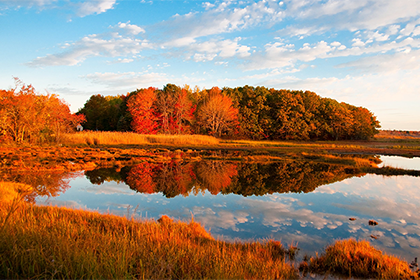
308, 204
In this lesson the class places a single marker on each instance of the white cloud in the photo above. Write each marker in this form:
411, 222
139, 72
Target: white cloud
179, 42
122, 60
224, 49
95, 7
386, 62
376, 36
219, 20
278, 55
362, 14
357, 42
416, 31
131, 28
208, 5
393, 29
208, 50
91, 46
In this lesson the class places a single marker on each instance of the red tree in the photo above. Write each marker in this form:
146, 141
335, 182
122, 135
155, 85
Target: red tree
141, 107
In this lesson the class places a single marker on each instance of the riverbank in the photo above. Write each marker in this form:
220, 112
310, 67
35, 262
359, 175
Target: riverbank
90, 150
51, 242
59, 243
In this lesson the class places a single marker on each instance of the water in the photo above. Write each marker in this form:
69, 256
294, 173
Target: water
308, 204
401, 162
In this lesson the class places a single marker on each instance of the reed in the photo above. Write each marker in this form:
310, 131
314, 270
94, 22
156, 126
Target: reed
50, 242
131, 138
351, 258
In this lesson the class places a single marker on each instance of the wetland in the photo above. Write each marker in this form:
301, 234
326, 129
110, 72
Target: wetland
306, 196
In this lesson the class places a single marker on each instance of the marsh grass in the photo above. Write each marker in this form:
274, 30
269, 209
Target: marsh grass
57, 243
131, 138
351, 258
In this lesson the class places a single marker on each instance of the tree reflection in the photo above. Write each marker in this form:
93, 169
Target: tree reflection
285, 177
99, 176
184, 178
215, 176
176, 177
171, 179
140, 178
43, 183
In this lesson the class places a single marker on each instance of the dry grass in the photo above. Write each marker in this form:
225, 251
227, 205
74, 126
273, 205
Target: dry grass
10, 192
59, 243
398, 134
131, 138
351, 258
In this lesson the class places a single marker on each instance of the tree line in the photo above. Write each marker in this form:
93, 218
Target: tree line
242, 112
30, 117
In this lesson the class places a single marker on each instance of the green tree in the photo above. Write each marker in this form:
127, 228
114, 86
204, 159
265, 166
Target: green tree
253, 110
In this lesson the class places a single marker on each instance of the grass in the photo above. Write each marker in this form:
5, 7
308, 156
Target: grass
131, 138
60, 243
50, 242
351, 258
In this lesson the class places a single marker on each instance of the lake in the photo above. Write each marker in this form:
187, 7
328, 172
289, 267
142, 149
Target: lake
305, 203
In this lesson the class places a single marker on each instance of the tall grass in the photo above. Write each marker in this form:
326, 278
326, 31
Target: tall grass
131, 138
351, 258
50, 242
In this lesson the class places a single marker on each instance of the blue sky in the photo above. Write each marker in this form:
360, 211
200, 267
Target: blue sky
365, 52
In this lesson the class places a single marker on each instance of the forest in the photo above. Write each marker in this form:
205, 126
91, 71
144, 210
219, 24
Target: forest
242, 113
247, 112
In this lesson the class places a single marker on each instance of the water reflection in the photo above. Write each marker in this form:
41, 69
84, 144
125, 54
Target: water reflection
48, 184
400, 162
308, 203
246, 179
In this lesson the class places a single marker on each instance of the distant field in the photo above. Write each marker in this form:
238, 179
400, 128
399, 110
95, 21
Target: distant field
397, 134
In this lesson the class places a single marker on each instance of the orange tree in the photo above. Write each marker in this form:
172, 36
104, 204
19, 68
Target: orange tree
27, 116
217, 115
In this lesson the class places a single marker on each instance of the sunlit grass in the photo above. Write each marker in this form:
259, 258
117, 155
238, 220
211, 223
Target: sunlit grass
10, 191
59, 243
351, 258
131, 138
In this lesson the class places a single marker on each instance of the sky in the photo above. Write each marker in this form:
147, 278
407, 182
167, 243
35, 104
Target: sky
364, 53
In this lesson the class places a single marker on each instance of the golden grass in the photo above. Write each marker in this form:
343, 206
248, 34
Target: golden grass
131, 138
399, 135
351, 258
10, 192
59, 243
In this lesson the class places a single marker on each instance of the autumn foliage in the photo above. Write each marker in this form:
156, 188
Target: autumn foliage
242, 112
217, 115
142, 109
26, 116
